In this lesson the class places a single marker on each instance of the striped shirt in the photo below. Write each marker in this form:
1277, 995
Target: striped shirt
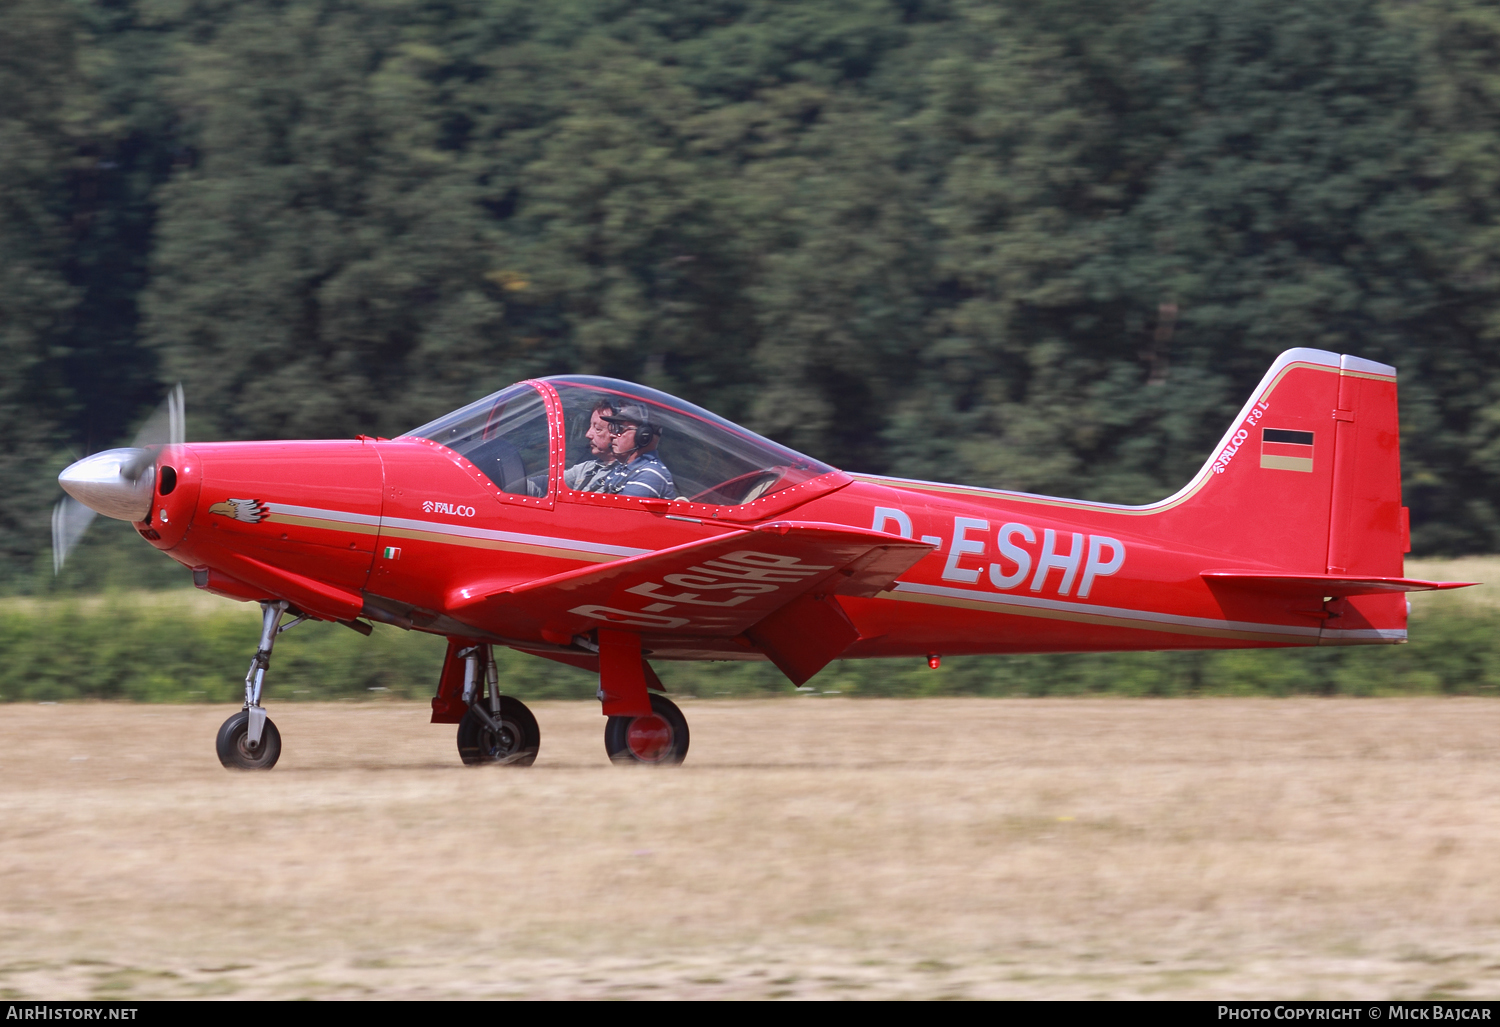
646, 475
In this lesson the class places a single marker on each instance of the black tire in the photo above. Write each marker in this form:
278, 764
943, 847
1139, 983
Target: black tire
516, 745
234, 750
659, 741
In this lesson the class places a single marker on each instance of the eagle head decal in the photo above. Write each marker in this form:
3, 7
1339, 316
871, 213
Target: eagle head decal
251, 511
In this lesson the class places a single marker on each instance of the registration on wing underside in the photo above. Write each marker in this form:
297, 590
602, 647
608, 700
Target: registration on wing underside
719, 586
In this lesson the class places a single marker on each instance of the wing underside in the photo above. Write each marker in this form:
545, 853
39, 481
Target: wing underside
772, 590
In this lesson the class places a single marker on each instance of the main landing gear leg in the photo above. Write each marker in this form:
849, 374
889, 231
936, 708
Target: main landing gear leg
643, 727
249, 739
497, 729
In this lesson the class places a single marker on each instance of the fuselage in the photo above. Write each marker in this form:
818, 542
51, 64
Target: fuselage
410, 532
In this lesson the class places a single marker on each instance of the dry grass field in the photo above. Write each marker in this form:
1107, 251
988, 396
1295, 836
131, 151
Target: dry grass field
811, 847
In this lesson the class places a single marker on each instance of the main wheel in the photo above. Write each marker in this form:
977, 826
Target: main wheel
515, 744
234, 749
659, 740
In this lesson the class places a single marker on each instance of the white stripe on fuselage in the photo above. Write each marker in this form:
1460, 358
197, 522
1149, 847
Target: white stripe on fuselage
458, 531
997, 599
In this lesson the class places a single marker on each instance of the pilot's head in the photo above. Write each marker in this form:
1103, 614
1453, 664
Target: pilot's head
633, 431
598, 431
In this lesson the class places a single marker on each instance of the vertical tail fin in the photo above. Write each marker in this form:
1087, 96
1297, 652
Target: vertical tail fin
1307, 481
1308, 477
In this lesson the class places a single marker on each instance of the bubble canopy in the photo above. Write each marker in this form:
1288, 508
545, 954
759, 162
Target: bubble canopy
504, 435
708, 459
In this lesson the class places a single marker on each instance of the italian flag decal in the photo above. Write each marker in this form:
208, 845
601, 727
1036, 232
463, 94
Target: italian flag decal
1283, 450
392, 553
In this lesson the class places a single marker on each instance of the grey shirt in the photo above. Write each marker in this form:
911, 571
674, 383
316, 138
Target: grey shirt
581, 476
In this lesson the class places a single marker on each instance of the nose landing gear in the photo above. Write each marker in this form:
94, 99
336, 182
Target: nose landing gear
249, 739
235, 749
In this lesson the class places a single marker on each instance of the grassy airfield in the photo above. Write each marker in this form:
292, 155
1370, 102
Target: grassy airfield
811, 847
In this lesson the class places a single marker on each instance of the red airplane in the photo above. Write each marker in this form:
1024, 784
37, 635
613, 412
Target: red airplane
599, 523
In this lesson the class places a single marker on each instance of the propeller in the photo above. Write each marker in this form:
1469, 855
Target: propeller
70, 519
117, 482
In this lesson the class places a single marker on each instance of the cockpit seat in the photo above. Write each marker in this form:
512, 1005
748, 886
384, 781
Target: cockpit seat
501, 462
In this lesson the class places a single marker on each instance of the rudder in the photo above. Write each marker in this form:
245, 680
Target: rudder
1367, 526
1369, 529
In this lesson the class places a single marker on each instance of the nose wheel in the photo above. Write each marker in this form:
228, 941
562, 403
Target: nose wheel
660, 739
238, 751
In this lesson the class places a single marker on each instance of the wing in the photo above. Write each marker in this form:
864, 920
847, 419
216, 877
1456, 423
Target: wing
721, 587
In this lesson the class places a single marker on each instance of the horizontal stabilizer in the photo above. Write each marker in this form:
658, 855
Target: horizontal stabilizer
1317, 586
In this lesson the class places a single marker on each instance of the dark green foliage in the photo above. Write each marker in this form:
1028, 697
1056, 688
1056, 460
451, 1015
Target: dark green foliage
1047, 246
177, 650
38, 152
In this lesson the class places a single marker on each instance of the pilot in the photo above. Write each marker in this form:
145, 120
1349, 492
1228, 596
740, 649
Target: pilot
637, 470
581, 477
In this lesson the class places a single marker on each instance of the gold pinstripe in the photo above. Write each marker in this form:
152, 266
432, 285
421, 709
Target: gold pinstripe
441, 538
319, 522
485, 543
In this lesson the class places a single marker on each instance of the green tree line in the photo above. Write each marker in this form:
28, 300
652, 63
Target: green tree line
1037, 244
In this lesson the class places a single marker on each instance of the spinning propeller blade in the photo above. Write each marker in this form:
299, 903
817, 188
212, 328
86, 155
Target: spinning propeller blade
162, 428
115, 482
70, 519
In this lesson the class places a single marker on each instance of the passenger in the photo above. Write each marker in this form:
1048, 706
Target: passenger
637, 470
581, 477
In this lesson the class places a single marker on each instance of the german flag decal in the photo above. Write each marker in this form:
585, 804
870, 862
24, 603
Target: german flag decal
1283, 450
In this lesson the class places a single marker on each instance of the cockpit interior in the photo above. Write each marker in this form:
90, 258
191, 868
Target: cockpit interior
712, 461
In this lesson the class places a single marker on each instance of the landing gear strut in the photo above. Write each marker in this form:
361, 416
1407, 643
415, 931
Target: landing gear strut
497, 728
643, 727
249, 739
